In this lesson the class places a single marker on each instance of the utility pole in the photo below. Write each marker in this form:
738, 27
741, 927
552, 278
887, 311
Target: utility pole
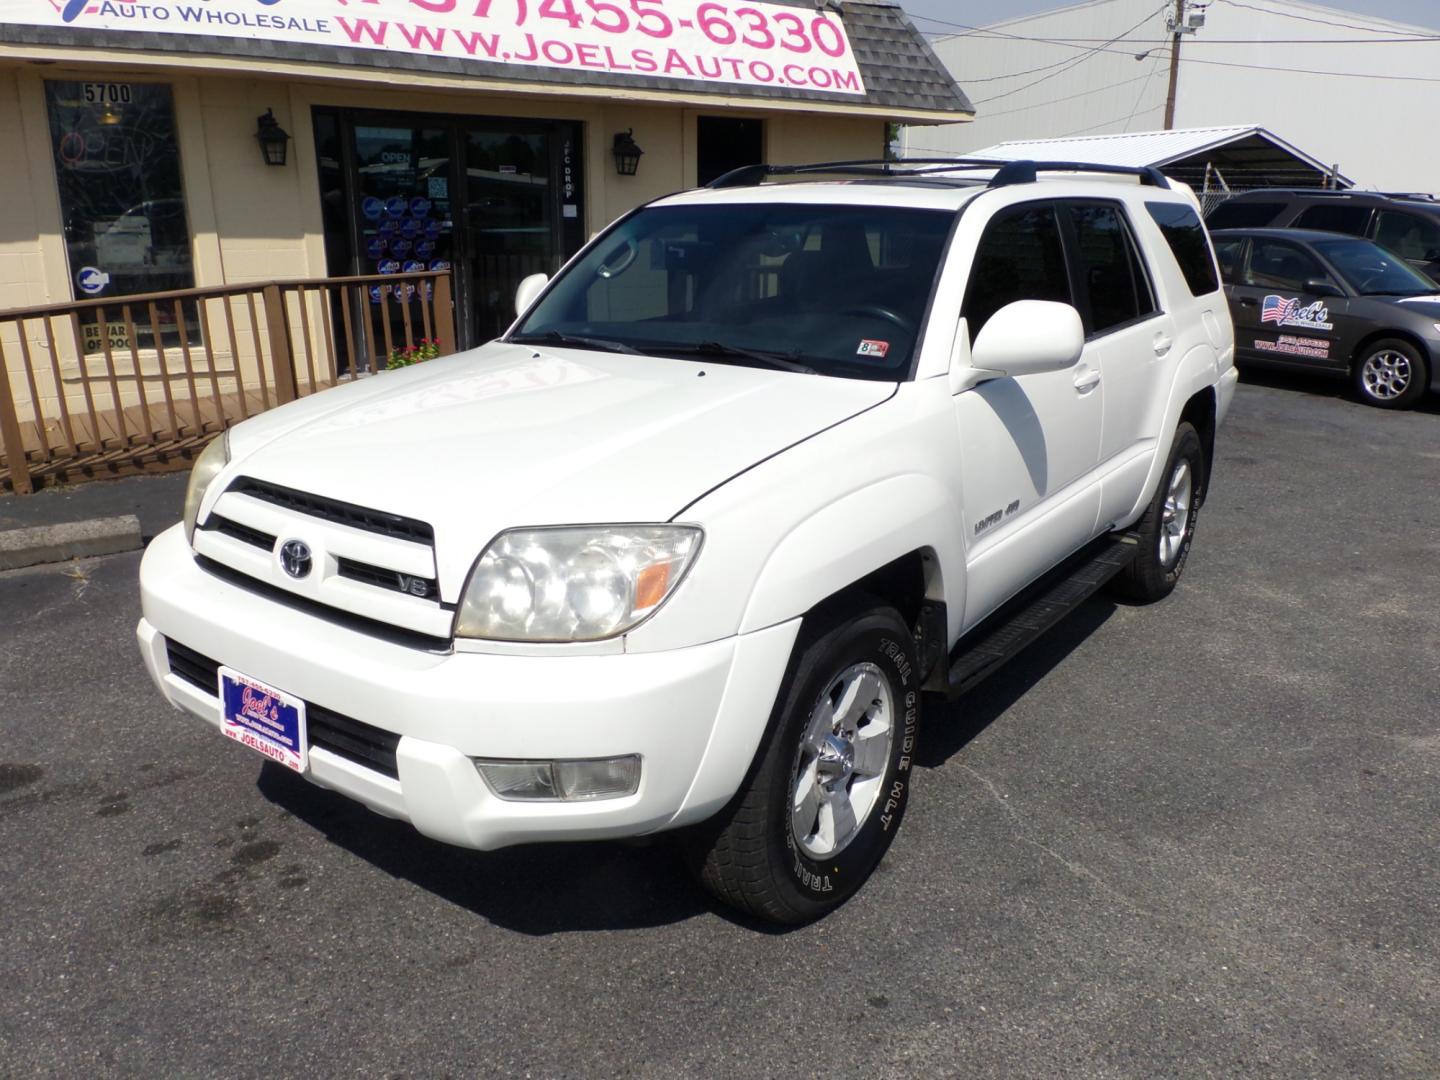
1181, 22
1177, 20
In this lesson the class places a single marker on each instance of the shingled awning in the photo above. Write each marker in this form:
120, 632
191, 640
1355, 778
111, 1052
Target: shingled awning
903, 78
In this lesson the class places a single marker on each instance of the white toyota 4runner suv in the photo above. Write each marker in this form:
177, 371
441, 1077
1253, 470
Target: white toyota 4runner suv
686, 548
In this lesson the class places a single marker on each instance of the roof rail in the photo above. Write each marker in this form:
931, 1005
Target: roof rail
1025, 172
1006, 172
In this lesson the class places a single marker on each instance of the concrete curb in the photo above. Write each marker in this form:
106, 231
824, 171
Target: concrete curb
68, 540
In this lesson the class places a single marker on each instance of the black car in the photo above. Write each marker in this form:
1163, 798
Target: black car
1327, 302
1408, 225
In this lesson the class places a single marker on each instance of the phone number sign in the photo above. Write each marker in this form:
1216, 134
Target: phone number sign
751, 44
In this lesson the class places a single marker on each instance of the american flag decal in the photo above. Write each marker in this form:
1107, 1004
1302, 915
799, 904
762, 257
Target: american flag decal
1277, 309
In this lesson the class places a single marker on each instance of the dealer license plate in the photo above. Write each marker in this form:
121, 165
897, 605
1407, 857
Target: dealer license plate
265, 719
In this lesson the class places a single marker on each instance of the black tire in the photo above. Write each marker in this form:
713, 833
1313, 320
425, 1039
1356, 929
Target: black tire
1165, 535
1390, 374
748, 855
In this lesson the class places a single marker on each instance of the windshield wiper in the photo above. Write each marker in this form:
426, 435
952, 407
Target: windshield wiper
719, 351
555, 337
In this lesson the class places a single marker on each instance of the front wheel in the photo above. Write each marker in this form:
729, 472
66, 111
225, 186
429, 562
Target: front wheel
826, 795
1391, 374
1168, 527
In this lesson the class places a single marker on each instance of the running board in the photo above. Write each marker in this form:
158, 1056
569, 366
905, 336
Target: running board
1018, 623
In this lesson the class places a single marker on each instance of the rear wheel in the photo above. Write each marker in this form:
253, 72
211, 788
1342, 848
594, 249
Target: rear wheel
1168, 526
1391, 374
826, 796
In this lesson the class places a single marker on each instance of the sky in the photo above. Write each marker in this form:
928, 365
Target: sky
984, 12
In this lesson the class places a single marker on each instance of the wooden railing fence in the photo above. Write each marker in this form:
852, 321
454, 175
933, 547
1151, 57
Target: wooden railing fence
135, 383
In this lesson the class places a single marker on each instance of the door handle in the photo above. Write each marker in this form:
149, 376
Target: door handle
1245, 301
1087, 381
1162, 343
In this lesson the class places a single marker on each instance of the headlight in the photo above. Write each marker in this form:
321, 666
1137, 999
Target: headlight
207, 466
573, 583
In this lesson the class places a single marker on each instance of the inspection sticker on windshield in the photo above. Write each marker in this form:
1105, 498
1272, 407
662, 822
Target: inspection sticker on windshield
264, 719
873, 348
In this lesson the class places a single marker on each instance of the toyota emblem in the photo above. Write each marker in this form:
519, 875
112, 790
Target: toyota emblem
295, 558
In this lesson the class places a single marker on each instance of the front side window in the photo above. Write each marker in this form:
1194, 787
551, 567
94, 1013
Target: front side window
1275, 264
840, 290
1110, 267
118, 166
1409, 235
1181, 227
1020, 257
1373, 271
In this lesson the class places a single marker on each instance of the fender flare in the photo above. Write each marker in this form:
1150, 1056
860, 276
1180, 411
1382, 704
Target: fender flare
1197, 371
855, 535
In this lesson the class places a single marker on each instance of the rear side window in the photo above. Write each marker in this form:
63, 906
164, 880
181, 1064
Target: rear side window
1110, 267
1019, 258
1408, 235
1352, 220
1228, 254
1189, 243
1243, 215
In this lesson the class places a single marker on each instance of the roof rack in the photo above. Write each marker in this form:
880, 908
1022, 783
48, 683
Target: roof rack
1006, 172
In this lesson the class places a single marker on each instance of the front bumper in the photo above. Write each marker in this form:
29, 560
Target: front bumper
694, 715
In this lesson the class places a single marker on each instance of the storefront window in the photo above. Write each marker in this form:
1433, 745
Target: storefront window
121, 201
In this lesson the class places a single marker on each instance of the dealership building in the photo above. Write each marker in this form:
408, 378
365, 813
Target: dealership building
508, 128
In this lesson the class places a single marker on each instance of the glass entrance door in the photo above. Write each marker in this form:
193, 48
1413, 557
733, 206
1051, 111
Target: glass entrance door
509, 221
491, 199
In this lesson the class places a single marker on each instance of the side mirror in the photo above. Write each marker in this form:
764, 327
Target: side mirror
528, 289
1028, 337
1318, 286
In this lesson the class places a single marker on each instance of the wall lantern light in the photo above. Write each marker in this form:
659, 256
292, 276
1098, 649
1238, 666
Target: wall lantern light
627, 153
273, 138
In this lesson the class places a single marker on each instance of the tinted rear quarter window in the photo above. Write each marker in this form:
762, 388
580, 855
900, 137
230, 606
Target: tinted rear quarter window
1243, 215
1189, 243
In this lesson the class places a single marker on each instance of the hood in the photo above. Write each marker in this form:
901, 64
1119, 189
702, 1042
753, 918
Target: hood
507, 436
1429, 306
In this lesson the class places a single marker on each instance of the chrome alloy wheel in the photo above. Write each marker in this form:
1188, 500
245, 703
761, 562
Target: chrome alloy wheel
1175, 518
1386, 374
842, 760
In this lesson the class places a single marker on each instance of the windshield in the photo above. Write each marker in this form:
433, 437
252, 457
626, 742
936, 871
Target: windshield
833, 290
1372, 271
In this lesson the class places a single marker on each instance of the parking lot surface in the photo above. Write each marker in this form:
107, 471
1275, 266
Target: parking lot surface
1195, 839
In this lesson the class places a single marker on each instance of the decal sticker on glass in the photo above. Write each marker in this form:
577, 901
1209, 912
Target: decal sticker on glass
400, 248
395, 207
372, 208
91, 280
376, 247
389, 266
419, 207
1286, 311
411, 229
873, 348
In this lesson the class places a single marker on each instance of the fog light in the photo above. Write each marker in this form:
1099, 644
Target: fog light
563, 781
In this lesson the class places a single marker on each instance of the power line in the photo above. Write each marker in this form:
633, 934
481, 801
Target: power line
1068, 97
1076, 62
1301, 18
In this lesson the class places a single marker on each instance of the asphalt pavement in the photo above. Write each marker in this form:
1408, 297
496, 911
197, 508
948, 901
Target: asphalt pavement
1197, 839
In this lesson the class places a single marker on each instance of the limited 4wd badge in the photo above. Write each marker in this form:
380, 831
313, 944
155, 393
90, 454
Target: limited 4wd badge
873, 348
1286, 311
